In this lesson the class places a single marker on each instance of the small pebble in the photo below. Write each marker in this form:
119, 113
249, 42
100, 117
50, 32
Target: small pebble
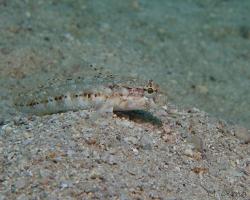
135, 151
169, 138
66, 184
167, 128
96, 173
131, 139
7, 129
189, 152
20, 183
146, 142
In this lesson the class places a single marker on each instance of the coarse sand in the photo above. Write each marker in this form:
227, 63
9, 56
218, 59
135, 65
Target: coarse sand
78, 155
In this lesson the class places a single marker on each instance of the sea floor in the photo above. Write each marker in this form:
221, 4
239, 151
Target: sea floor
197, 51
75, 155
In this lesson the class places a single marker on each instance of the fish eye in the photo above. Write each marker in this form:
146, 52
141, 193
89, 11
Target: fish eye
150, 90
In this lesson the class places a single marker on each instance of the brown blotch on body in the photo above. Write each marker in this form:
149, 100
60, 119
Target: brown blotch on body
88, 95
58, 98
32, 103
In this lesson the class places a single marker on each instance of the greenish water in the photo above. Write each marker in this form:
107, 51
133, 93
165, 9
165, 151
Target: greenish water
198, 51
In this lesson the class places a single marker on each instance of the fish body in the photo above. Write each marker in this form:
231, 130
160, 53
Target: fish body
102, 95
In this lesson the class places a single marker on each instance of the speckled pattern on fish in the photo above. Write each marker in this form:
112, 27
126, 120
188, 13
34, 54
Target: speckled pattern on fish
102, 92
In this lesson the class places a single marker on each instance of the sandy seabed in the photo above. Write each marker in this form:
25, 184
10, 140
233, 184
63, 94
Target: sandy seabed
184, 154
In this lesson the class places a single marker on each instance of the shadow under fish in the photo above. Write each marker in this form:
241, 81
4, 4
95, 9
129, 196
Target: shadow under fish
140, 116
